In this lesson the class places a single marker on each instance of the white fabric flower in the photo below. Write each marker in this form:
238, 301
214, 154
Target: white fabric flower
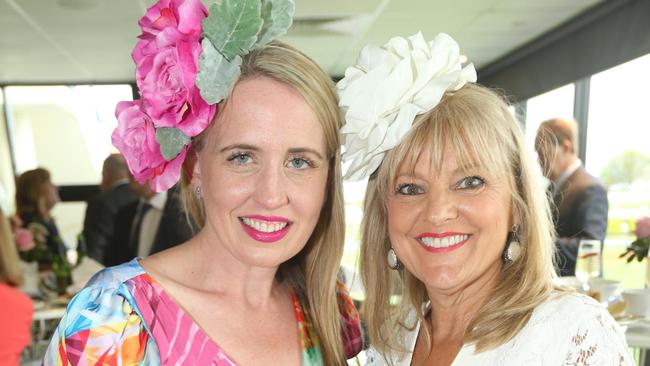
388, 87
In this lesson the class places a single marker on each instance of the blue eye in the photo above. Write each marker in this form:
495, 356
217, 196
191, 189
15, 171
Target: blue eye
473, 182
409, 189
300, 163
240, 158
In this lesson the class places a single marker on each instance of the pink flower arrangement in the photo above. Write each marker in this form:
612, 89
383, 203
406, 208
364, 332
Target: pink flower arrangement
642, 228
639, 248
24, 239
166, 58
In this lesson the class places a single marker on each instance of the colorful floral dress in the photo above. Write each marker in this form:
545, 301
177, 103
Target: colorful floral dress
123, 317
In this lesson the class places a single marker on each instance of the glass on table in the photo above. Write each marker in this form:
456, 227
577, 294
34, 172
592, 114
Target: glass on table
588, 261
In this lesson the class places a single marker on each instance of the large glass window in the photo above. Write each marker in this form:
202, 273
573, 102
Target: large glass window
354, 193
618, 152
557, 103
66, 130
6, 170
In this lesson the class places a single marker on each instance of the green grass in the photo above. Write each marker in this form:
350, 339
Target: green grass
631, 274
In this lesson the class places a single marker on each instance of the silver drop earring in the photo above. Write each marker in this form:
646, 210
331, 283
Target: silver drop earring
198, 192
513, 247
393, 261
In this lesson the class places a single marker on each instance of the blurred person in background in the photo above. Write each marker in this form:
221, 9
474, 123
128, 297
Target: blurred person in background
579, 200
102, 209
154, 222
35, 198
16, 309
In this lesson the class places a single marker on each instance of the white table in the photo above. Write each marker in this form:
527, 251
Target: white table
639, 337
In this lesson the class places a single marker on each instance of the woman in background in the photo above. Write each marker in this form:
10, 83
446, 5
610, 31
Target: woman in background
17, 308
35, 198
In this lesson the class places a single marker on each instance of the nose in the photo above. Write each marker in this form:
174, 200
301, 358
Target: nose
271, 187
441, 207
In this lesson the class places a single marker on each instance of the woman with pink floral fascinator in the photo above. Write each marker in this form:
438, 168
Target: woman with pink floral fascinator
456, 247
251, 128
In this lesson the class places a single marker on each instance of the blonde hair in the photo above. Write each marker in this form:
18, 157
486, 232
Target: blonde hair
475, 124
312, 272
30, 195
9, 269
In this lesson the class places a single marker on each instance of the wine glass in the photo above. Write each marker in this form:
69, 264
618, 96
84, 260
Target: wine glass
588, 263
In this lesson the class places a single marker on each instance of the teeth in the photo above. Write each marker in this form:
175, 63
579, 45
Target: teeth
264, 226
443, 242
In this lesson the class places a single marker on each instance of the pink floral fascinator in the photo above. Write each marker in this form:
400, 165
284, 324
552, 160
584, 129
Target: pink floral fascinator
388, 87
187, 61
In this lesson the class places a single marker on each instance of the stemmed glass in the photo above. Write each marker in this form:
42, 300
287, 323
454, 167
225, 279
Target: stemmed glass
588, 263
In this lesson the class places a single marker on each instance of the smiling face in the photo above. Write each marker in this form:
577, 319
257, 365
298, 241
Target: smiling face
448, 226
263, 171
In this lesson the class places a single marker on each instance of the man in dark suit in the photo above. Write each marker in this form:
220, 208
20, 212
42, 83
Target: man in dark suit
155, 222
101, 210
580, 202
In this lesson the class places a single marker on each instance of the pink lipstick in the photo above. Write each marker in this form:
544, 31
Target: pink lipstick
265, 229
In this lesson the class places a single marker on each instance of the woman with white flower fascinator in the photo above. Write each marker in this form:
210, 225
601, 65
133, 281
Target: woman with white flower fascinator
251, 126
456, 253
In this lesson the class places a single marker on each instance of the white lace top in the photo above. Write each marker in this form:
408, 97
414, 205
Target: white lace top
566, 330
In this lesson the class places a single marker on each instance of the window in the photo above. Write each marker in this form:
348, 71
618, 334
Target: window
66, 130
618, 152
557, 103
6, 170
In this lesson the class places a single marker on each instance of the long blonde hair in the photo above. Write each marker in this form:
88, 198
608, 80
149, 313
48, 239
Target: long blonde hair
9, 269
312, 272
476, 124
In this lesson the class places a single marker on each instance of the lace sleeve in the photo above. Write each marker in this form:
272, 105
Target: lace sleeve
597, 340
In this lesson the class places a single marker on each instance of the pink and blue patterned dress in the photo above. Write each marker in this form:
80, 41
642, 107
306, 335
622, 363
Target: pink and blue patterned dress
123, 317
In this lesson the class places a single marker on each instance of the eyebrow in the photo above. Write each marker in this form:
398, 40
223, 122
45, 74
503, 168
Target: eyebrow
295, 150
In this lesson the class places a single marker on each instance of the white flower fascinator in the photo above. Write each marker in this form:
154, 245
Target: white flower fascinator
388, 88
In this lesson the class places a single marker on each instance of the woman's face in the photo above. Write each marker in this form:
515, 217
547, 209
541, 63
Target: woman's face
263, 172
51, 194
449, 228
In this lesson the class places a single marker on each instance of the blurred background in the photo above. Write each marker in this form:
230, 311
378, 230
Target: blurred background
64, 64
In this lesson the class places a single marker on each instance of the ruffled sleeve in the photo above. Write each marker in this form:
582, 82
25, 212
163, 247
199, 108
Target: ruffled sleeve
101, 327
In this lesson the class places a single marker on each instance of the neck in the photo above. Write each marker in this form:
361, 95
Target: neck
218, 271
453, 310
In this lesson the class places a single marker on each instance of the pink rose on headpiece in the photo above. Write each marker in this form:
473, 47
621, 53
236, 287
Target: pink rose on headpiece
135, 137
642, 228
166, 73
184, 15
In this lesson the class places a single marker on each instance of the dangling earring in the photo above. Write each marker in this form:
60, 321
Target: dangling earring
393, 261
513, 247
198, 192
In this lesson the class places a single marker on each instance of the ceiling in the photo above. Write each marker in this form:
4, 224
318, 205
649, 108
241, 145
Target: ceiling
87, 41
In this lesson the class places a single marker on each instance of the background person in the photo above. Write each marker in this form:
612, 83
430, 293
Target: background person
257, 285
580, 204
35, 198
101, 211
17, 308
154, 222
456, 223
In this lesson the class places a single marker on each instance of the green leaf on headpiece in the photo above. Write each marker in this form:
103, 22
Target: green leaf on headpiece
171, 140
278, 16
216, 74
232, 26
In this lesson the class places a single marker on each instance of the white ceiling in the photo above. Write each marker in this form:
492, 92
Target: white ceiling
80, 41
